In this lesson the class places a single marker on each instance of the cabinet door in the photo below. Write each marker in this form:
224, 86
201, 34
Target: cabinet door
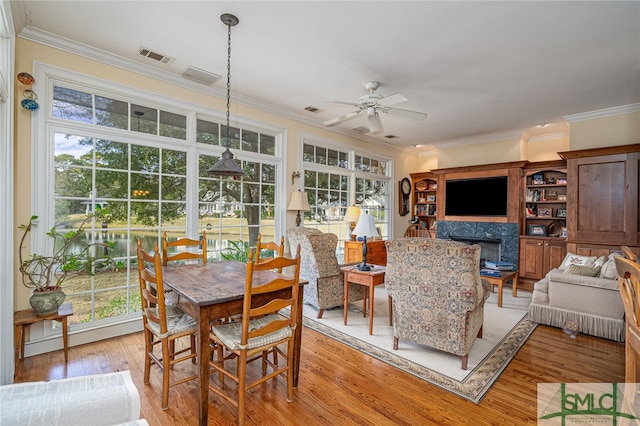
352, 251
554, 253
531, 258
603, 195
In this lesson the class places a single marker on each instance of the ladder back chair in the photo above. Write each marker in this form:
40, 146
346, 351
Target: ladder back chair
417, 230
200, 246
261, 330
163, 324
277, 249
629, 283
628, 253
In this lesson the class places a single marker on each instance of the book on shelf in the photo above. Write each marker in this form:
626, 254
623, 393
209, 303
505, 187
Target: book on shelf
489, 272
500, 266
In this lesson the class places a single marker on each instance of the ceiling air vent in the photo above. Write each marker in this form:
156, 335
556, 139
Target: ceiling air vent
361, 129
391, 136
312, 109
200, 76
148, 53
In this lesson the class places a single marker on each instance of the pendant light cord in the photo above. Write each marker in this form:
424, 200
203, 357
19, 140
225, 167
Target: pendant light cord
228, 78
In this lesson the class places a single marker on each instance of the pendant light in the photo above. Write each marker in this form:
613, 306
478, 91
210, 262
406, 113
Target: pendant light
226, 166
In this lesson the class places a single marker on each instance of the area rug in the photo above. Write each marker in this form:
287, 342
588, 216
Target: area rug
506, 329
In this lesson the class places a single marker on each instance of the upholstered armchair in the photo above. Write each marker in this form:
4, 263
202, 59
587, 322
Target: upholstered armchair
437, 293
319, 266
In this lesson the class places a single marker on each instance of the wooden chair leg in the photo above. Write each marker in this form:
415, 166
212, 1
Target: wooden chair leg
242, 385
464, 361
166, 366
320, 313
395, 343
148, 348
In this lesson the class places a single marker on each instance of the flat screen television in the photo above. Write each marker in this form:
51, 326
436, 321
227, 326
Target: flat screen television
476, 197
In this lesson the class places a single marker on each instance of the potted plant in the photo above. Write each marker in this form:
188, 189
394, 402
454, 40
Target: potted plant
70, 256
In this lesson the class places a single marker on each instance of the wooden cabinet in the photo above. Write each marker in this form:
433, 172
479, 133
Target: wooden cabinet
424, 198
603, 193
539, 255
376, 252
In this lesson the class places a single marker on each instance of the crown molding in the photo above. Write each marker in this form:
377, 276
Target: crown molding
602, 113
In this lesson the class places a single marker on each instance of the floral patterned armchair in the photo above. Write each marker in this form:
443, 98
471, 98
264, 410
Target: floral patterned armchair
319, 266
437, 293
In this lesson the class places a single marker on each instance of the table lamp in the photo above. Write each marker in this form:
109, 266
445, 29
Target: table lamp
300, 202
365, 227
351, 216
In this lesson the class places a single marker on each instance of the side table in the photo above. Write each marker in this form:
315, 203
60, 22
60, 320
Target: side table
23, 319
368, 279
499, 281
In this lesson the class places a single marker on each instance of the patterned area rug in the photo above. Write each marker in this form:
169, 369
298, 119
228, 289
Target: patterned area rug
505, 330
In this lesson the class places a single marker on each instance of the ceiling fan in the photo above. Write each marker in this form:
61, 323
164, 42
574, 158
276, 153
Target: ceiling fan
372, 104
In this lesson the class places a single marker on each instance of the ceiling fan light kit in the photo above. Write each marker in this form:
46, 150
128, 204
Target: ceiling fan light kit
372, 104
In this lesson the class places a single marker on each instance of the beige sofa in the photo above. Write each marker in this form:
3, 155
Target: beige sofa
592, 302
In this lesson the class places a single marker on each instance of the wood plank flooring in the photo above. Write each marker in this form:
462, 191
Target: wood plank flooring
339, 385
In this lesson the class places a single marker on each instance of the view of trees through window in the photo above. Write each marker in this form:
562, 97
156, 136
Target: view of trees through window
151, 179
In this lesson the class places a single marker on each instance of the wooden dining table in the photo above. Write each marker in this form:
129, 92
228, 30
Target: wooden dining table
215, 290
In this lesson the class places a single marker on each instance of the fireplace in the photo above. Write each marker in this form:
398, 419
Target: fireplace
490, 247
499, 241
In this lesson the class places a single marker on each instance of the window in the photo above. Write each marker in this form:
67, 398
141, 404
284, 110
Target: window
335, 179
135, 159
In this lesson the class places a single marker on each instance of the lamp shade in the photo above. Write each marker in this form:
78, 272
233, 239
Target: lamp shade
352, 214
366, 226
299, 201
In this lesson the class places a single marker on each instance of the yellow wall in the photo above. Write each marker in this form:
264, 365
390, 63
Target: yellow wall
622, 129
545, 149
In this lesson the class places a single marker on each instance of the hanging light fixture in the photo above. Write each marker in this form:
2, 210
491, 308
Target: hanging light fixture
226, 166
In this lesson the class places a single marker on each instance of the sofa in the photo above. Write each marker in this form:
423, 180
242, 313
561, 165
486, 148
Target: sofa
437, 293
319, 265
583, 290
100, 399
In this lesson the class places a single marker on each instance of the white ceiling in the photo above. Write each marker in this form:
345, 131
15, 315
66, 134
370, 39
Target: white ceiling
478, 69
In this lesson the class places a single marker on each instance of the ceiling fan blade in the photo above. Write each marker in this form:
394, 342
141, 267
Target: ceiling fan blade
396, 98
351, 104
375, 126
405, 113
342, 119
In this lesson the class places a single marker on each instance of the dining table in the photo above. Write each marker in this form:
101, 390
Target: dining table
215, 290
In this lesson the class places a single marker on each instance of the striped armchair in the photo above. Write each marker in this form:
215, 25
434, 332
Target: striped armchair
319, 266
437, 293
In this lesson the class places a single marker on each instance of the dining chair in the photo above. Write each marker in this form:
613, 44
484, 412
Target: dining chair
629, 284
628, 253
163, 324
261, 329
198, 249
417, 230
275, 248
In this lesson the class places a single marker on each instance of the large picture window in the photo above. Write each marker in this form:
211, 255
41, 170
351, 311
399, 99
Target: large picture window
137, 161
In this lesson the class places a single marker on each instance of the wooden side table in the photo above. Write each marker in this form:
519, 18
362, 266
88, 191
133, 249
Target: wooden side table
499, 281
23, 319
368, 279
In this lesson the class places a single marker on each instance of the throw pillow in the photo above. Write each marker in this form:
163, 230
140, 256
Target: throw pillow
608, 270
576, 259
599, 261
584, 270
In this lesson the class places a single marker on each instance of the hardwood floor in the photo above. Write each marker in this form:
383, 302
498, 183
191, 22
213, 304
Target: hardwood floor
339, 385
